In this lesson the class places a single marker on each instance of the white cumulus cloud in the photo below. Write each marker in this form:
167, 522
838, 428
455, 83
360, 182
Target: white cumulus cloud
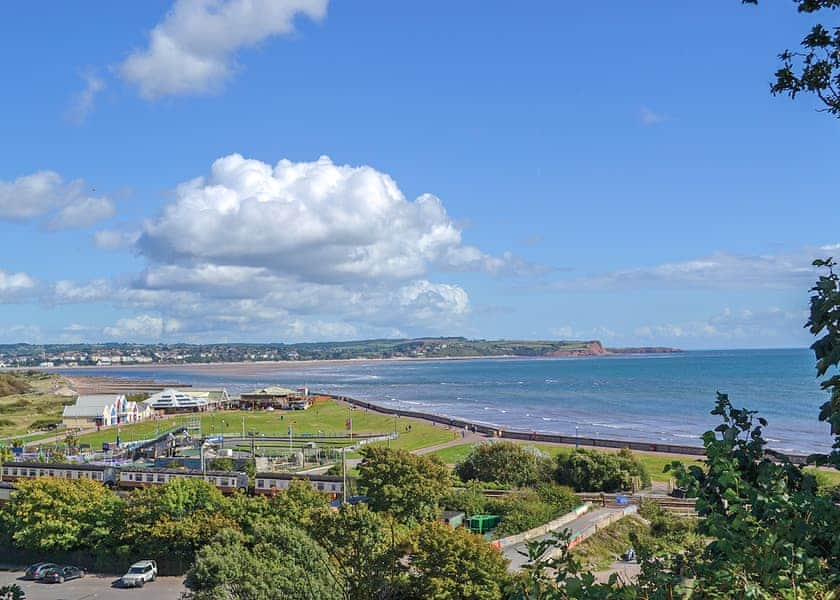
47, 194
147, 327
193, 49
721, 270
112, 239
84, 100
315, 220
82, 213
16, 286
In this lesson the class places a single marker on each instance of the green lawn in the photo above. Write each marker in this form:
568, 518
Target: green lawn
826, 478
654, 462
327, 417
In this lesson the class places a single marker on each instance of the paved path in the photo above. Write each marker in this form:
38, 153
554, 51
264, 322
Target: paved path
626, 571
578, 526
95, 587
469, 438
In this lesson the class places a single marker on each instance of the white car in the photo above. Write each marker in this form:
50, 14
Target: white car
139, 574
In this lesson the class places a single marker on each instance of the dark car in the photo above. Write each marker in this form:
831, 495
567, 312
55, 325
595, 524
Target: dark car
62, 574
37, 570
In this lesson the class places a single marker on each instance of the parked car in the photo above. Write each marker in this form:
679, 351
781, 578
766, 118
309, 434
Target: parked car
38, 570
139, 574
62, 574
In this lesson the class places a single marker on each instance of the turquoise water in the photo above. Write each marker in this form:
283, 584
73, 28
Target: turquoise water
650, 397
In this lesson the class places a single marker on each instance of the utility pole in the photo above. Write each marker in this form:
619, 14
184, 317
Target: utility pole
344, 475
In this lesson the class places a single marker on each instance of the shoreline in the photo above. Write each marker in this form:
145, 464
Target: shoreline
251, 364
503, 433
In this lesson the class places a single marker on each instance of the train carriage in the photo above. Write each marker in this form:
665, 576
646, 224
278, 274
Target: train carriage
270, 483
131, 477
226, 481
15, 471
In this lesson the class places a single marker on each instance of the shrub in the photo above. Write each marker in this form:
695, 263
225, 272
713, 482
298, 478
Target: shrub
520, 512
503, 462
529, 508
593, 471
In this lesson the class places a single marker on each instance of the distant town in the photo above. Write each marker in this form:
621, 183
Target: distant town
116, 354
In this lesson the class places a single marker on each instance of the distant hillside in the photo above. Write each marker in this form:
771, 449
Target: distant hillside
430, 347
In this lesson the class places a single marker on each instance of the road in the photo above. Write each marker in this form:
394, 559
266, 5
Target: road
95, 587
578, 526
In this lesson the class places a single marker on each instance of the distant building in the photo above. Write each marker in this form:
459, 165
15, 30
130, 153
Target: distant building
175, 401
102, 410
274, 397
217, 398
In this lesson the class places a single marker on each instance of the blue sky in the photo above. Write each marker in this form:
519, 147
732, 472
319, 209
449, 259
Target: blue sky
615, 171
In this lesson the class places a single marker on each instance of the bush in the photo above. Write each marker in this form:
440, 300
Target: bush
44, 423
593, 471
529, 508
11, 385
470, 499
520, 512
503, 462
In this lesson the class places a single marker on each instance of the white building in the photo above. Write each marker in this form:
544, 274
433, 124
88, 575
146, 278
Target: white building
102, 410
172, 400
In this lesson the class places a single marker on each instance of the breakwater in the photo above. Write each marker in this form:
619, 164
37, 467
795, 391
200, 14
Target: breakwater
535, 436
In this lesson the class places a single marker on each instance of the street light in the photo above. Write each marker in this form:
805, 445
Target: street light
576, 435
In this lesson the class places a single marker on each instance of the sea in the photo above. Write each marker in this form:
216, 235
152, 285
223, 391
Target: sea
652, 397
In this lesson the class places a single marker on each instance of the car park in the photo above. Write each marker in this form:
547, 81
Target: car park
139, 574
38, 570
62, 574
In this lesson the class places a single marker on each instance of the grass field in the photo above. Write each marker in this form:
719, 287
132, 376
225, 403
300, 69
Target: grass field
26, 402
326, 416
654, 462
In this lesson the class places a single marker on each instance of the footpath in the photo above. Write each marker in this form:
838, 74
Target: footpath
580, 527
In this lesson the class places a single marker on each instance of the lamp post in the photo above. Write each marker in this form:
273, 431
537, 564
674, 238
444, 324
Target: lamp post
576, 435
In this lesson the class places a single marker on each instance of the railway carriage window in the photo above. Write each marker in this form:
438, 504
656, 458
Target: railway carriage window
33, 473
260, 483
160, 478
150, 478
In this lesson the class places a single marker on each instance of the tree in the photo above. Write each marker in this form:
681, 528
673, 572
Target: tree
222, 464
824, 321
366, 548
816, 68
49, 514
507, 463
454, 564
12, 592
773, 534
297, 503
406, 485
171, 522
470, 499
283, 563
593, 471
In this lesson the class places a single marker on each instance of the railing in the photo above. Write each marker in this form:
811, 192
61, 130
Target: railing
533, 436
